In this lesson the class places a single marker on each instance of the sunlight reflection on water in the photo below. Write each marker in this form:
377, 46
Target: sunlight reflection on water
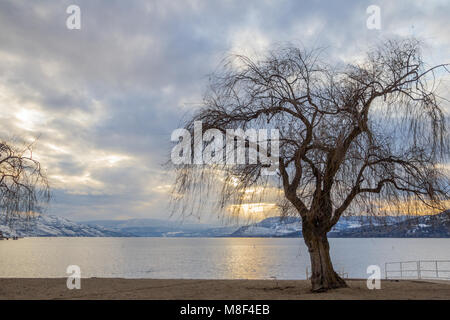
202, 258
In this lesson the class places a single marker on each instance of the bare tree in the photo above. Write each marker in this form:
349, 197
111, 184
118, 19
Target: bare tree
23, 184
352, 138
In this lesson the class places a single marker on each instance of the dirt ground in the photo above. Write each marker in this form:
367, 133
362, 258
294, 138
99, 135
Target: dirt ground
103, 288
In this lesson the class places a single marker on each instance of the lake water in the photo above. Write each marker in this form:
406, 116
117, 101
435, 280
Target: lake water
203, 258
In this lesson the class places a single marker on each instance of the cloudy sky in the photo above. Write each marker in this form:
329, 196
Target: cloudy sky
104, 99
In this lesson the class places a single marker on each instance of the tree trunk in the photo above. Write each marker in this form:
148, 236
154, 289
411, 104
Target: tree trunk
323, 275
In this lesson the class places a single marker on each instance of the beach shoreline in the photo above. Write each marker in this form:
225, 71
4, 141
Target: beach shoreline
181, 289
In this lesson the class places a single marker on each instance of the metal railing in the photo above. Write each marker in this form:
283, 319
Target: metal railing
421, 269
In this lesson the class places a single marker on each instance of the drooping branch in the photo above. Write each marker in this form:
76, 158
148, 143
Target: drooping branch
348, 136
23, 184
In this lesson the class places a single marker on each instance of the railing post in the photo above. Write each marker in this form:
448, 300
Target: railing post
437, 272
418, 270
401, 270
385, 271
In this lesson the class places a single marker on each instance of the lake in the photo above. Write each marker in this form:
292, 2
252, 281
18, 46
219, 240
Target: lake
203, 258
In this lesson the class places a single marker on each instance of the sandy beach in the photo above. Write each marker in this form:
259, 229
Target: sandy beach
103, 288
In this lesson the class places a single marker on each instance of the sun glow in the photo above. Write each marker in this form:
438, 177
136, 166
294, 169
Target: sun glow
411, 207
253, 209
30, 119
112, 160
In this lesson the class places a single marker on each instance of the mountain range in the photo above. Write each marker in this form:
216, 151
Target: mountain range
52, 226
428, 226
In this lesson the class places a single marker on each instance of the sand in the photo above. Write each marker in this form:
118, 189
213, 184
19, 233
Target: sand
103, 288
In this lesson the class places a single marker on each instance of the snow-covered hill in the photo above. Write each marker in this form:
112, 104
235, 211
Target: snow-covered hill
355, 226
430, 226
290, 226
52, 226
351, 227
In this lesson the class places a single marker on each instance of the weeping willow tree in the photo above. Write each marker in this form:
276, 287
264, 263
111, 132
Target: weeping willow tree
352, 139
23, 185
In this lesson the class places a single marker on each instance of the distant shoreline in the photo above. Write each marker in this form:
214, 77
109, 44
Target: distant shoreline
170, 289
427, 226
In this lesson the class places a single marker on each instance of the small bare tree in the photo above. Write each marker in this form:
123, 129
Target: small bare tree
23, 184
352, 138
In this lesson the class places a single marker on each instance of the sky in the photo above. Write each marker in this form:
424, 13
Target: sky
104, 99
